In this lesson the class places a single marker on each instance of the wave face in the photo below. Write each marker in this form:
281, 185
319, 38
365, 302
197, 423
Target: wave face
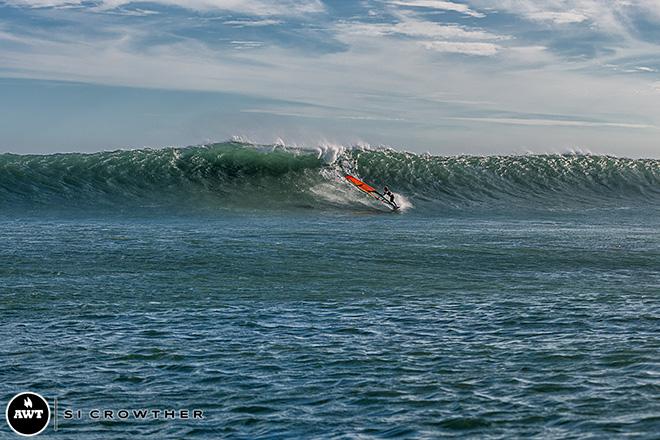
237, 175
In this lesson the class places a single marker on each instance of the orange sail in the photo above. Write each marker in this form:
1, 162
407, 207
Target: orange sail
371, 191
360, 184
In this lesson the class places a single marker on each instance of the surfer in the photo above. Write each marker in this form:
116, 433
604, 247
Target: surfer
389, 195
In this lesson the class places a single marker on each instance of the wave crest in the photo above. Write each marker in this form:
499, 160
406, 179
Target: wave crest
236, 174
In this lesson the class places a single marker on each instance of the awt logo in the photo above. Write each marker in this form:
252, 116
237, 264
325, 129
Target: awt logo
28, 414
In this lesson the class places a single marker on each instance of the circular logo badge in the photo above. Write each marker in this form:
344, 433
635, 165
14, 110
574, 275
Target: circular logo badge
28, 414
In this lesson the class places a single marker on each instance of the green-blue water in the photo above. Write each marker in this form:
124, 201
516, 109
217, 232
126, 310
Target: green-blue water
512, 297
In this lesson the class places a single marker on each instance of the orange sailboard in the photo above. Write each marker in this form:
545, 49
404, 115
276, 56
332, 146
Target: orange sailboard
371, 191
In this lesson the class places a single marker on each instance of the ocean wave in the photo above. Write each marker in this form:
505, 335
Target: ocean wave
236, 174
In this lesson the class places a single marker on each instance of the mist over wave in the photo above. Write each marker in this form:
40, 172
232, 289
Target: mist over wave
240, 175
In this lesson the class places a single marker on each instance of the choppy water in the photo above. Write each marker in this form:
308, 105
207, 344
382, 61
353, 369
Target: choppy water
475, 312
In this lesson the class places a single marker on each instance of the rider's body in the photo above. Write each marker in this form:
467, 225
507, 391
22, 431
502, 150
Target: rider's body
388, 195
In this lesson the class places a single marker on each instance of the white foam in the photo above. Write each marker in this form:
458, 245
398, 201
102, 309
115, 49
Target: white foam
329, 152
403, 202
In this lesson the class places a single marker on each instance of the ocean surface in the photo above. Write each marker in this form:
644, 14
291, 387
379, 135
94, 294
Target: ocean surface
510, 297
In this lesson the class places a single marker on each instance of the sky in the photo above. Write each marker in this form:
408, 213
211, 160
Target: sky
445, 77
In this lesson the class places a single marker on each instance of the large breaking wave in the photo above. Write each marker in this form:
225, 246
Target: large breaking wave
238, 175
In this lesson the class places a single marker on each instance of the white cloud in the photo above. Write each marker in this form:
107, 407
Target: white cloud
461, 47
438, 4
413, 27
605, 15
246, 44
252, 23
317, 114
429, 29
134, 12
396, 75
252, 7
439, 37
558, 17
555, 122
7, 36
44, 3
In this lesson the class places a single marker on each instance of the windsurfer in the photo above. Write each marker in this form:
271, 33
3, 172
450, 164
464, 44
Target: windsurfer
389, 195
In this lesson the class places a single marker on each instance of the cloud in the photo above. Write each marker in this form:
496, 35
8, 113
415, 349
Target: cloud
252, 23
431, 35
629, 68
319, 115
555, 122
133, 12
429, 29
460, 47
246, 44
43, 3
387, 67
252, 7
440, 5
411, 27
8, 36
611, 16
558, 17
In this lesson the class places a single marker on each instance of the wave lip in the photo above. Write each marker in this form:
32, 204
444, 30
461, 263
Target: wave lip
235, 175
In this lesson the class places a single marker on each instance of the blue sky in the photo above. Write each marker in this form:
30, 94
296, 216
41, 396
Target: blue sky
446, 77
